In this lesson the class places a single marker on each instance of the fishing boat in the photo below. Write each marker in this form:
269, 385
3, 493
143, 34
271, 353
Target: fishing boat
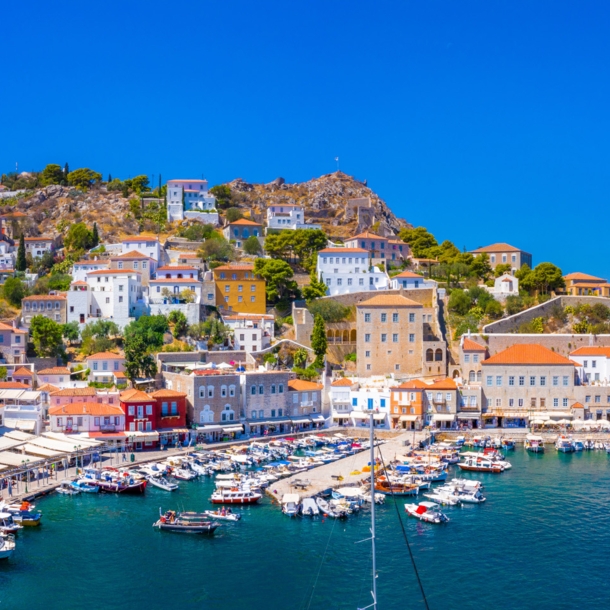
162, 483
309, 507
534, 444
382, 485
66, 489
85, 485
7, 546
8, 525
476, 463
183, 474
235, 495
222, 514
578, 445
508, 444
185, 523
291, 504
330, 511
444, 497
564, 444
24, 514
426, 511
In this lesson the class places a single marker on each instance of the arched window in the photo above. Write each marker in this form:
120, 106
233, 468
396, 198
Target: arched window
223, 391
429, 355
346, 336
438, 355
261, 414
353, 335
231, 390
471, 377
330, 335
207, 415
479, 376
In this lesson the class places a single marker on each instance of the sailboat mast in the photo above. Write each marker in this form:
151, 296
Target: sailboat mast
372, 441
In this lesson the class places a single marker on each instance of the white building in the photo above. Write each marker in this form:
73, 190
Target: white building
86, 417
145, 244
594, 365
348, 270
81, 268
7, 256
341, 400
364, 399
251, 332
21, 410
504, 286
410, 281
191, 199
288, 216
104, 365
110, 294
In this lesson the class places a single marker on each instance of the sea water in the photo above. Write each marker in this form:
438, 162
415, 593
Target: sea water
539, 541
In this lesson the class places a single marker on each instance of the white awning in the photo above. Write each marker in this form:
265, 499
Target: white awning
408, 418
468, 415
233, 429
299, 420
559, 414
17, 435
41, 451
337, 416
359, 415
205, 429
317, 418
103, 373
142, 436
25, 425
378, 416
443, 417
15, 459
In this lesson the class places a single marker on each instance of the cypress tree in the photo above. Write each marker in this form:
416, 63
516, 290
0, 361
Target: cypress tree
109, 178
66, 169
319, 342
21, 264
95, 237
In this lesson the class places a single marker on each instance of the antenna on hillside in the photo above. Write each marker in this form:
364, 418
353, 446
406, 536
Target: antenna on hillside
337, 160
16, 167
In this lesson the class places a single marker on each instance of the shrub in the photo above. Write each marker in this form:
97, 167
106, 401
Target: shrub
351, 357
329, 310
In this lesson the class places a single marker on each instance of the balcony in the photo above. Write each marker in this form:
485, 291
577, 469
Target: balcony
108, 428
439, 401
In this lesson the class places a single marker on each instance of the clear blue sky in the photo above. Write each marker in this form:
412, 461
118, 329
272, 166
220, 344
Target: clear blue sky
484, 121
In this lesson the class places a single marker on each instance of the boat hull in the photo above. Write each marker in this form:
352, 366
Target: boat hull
227, 500
186, 529
480, 469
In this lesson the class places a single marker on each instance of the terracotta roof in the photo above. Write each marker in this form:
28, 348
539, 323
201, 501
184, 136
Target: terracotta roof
134, 395
249, 316
140, 238
173, 280
105, 356
40, 238
501, 247
13, 385
284, 205
236, 267
113, 272
414, 384
75, 392
245, 222
47, 387
23, 372
187, 180
577, 405
527, 353
343, 251
409, 274
472, 346
55, 370
444, 384
583, 276
388, 300
591, 351
130, 254
177, 268
344, 381
300, 385
168, 394
4, 326
119, 374
79, 283
44, 297
367, 235
89, 262
85, 408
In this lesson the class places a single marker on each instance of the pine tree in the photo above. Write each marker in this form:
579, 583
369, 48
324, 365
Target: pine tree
319, 343
66, 169
21, 263
95, 236
109, 178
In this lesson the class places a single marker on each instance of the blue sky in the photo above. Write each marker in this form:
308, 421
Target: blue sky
484, 121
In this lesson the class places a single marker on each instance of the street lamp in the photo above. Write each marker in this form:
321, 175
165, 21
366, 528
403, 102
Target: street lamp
25, 463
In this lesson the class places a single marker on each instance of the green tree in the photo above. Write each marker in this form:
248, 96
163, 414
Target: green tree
493, 309
329, 310
548, 277
306, 243
70, 331
150, 328
278, 275
216, 249
46, 336
459, 302
501, 269
198, 232
419, 240
480, 266
319, 342
233, 214
223, 195
3, 373
78, 237
66, 170
84, 178
51, 174
139, 184
527, 280
279, 245
21, 263
179, 322
138, 362
513, 304
252, 246
95, 236
314, 289
13, 291
99, 336
300, 358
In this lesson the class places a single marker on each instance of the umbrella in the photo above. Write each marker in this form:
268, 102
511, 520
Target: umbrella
224, 366
564, 421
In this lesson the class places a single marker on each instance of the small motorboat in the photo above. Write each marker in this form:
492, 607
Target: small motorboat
564, 444
330, 511
476, 463
24, 514
578, 445
534, 443
222, 514
162, 483
66, 489
7, 546
444, 497
234, 495
182, 474
85, 485
8, 525
291, 504
426, 511
508, 444
309, 507
185, 523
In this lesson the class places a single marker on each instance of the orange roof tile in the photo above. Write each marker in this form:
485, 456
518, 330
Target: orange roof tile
527, 353
4, 326
591, 351
85, 408
113, 272
343, 251
367, 235
388, 300
300, 385
55, 370
444, 384
47, 387
131, 254
583, 276
13, 385
472, 346
245, 222
23, 372
105, 356
177, 268
501, 247
140, 238
344, 381
409, 274
577, 405
134, 395
168, 394
79, 283
236, 267
75, 392
119, 375
414, 384
44, 297
39, 238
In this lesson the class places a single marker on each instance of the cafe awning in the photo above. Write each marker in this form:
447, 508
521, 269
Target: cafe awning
560, 414
443, 417
299, 420
317, 418
231, 429
205, 429
359, 415
168, 431
141, 436
408, 418
468, 415
378, 416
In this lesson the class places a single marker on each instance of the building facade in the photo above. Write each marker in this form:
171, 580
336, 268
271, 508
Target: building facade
239, 289
52, 306
505, 254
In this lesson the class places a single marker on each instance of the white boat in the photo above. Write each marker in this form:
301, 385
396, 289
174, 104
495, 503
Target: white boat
477, 463
235, 496
182, 474
162, 483
564, 444
309, 507
222, 515
291, 504
471, 497
67, 489
8, 525
426, 511
7, 546
465, 484
328, 510
534, 443
153, 469
444, 496
578, 445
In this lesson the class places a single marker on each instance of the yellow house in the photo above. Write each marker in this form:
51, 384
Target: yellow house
583, 284
239, 289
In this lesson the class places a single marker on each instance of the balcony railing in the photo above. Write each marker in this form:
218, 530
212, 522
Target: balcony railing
107, 428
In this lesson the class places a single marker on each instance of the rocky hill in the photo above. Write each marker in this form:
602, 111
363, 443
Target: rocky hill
325, 200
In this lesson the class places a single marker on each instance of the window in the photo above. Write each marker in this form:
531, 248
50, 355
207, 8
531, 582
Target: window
223, 391
555, 380
543, 402
96, 421
521, 380
598, 398
210, 391
367, 317
382, 402
368, 367
511, 380
367, 338
164, 408
498, 402
253, 390
384, 338
354, 402
273, 388
120, 299
411, 338
564, 402
466, 357
475, 358
280, 388
395, 338
411, 317
261, 389
132, 410
148, 409
532, 380
521, 402
499, 380
587, 399
367, 354
384, 317
511, 402
490, 380
231, 390
586, 364
542, 381
565, 380
555, 402
107, 299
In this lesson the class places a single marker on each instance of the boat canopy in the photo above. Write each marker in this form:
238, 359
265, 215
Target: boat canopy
291, 498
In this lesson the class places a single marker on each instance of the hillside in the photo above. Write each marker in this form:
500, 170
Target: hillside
325, 200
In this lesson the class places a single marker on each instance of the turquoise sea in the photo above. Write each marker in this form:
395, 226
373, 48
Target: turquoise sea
540, 541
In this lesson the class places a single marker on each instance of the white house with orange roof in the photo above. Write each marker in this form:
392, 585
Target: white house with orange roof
103, 366
578, 284
82, 267
506, 285
145, 265
87, 417
191, 198
36, 247
407, 280
13, 343
145, 244
349, 270
377, 246
58, 376
594, 364
304, 399
86, 394
240, 230
252, 332
288, 216
340, 398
